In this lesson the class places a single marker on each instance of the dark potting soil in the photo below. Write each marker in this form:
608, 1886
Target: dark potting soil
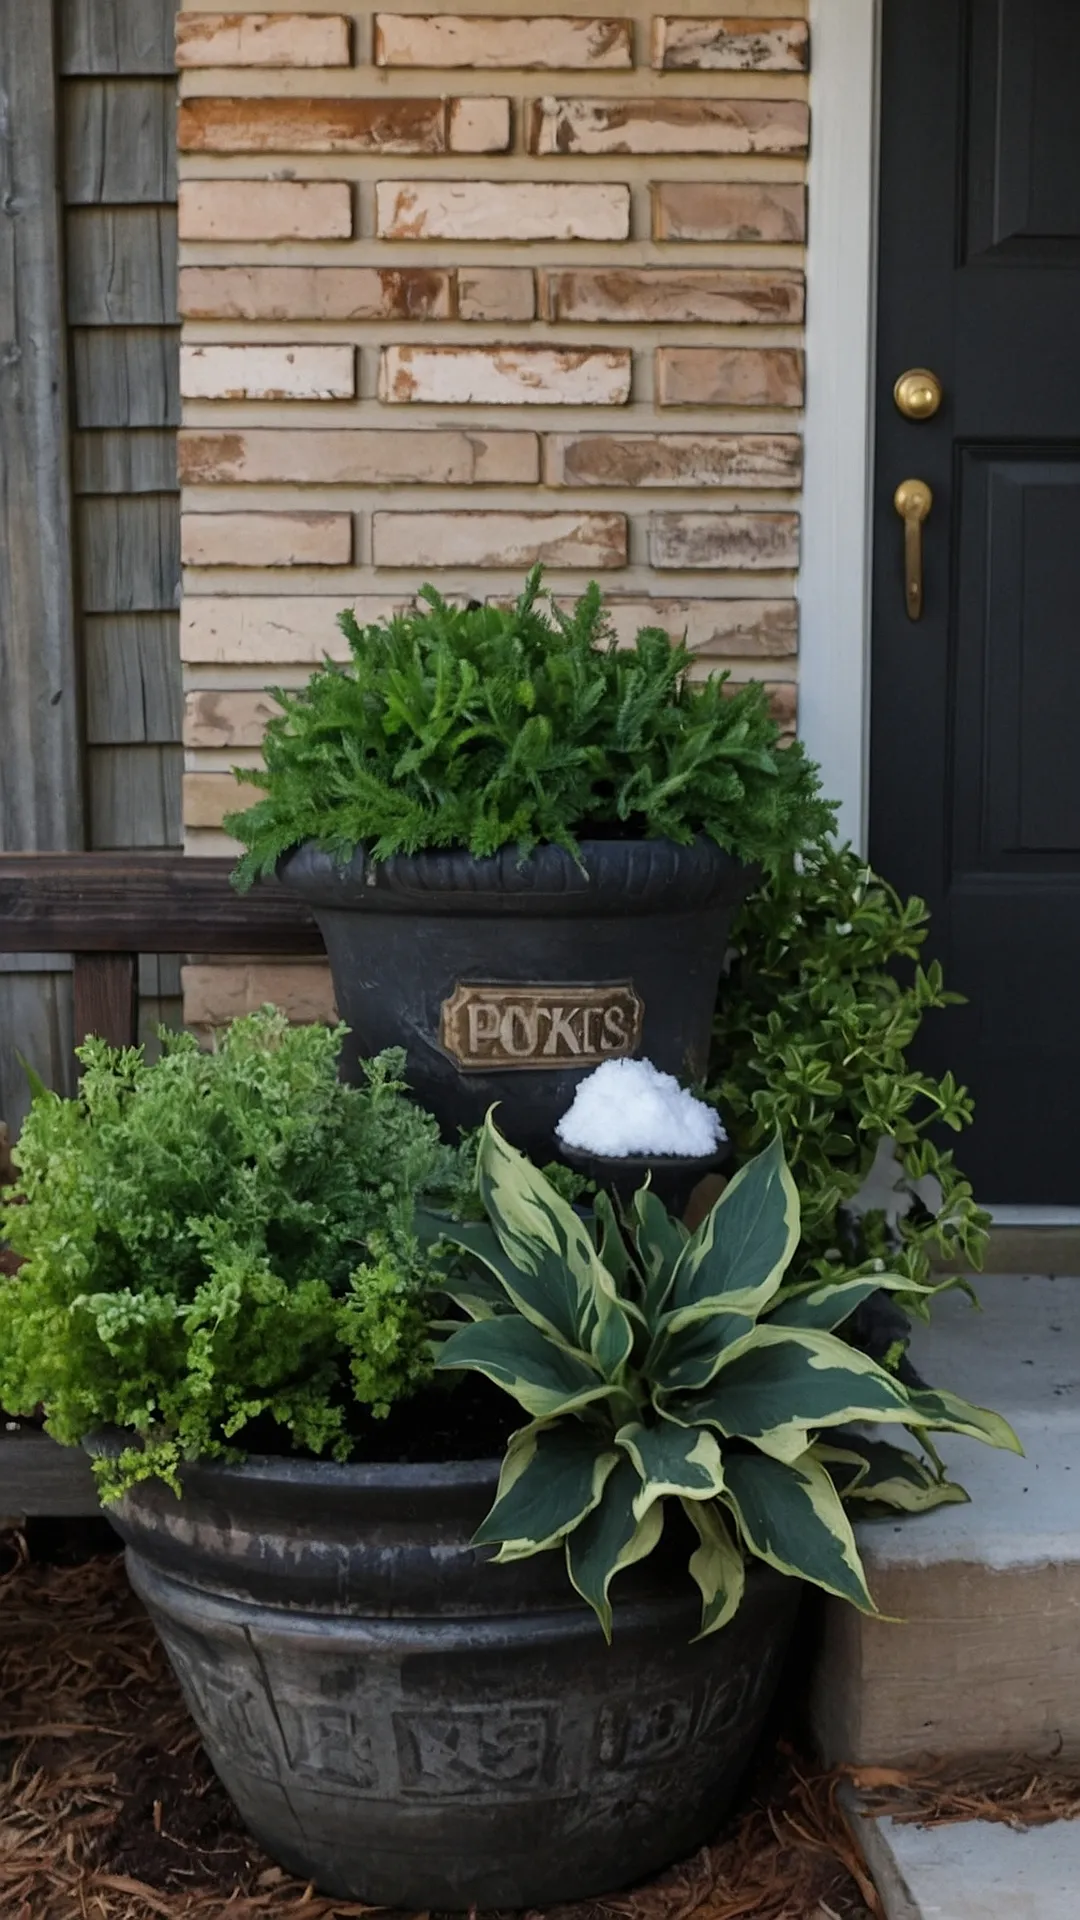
471, 1420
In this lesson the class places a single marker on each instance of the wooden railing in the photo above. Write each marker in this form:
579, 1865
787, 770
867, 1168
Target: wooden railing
105, 909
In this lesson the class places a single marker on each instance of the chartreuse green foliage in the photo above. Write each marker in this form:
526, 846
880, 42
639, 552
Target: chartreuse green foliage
659, 1366
485, 727
215, 1237
823, 1000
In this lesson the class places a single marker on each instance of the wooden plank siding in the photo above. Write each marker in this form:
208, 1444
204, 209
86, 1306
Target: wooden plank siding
118, 107
90, 703
41, 788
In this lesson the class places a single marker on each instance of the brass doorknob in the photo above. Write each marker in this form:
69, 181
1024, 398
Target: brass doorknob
918, 393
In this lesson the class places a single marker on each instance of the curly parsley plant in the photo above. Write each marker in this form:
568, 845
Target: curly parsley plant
216, 1238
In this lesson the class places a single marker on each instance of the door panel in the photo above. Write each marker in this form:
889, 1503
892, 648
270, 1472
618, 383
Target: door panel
1023, 187
975, 798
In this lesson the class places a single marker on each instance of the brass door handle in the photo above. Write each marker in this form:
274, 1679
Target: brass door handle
913, 501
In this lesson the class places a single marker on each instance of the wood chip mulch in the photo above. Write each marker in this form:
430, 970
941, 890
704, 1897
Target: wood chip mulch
1018, 1792
109, 1810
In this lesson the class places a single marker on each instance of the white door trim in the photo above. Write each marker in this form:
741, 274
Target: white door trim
835, 577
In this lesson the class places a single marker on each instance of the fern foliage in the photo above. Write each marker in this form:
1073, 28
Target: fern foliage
488, 726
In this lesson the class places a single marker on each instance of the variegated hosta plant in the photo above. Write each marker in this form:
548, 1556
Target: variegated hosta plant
657, 1365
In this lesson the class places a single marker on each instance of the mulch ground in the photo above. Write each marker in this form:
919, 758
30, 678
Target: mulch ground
110, 1811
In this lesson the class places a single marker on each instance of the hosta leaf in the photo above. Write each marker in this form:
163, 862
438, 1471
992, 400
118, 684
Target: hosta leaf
552, 1476
659, 1241
778, 1381
611, 1538
687, 1357
615, 1253
542, 1376
791, 1516
746, 1240
890, 1477
949, 1413
672, 1459
825, 1306
554, 1273
717, 1565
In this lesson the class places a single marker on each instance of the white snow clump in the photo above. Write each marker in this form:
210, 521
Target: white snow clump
628, 1107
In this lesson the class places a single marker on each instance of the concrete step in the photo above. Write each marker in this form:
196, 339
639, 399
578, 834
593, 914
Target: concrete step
974, 1870
987, 1658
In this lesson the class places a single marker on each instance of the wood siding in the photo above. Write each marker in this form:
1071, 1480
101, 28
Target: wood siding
90, 698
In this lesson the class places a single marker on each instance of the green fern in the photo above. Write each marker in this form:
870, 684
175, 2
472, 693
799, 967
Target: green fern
486, 727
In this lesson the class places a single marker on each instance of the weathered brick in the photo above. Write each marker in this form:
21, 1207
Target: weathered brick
484, 40
262, 40
501, 210
357, 456
731, 45
216, 123
315, 293
506, 376
495, 293
594, 541
659, 125
272, 630
214, 995
265, 210
266, 539
208, 797
672, 460
221, 718
728, 210
729, 377
745, 542
719, 295
479, 125
716, 629
267, 373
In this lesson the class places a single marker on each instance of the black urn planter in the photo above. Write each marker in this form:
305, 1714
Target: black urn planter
508, 979
405, 1724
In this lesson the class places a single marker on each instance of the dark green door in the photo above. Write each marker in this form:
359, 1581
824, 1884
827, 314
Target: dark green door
975, 759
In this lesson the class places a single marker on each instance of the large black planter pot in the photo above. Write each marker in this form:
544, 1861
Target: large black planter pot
508, 980
404, 1724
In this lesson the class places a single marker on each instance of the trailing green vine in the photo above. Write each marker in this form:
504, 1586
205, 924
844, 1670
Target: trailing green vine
825, 995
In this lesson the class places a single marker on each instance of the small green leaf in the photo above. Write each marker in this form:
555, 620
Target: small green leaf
552, 1476
609, 1539
717, 1566
791, 1516
746, 1240
543, 1377
672, 1460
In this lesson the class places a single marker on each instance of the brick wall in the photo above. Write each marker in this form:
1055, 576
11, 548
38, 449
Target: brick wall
463, 292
